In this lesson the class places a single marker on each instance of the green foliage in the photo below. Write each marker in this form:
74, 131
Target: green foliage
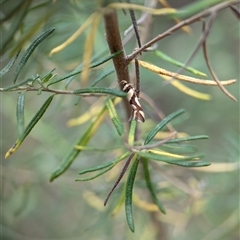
138, 145
105, 165
129, 193
161, 125
90, 131
30, 50
20, 113
30, 126
177, 63
9, 65
114, 116
108, 91
20, 14
151, 186
92, 65
102, 76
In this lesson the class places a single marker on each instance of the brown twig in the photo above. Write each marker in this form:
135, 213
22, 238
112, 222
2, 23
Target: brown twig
135, 149
135, 27
176, 27
161, 115
236, 11
137, 70
204, 47
125, 167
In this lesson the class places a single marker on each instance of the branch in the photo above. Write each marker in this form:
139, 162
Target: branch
115, 44
125, 167
36, 89
56, 91
136, 149
205, 53
188, 21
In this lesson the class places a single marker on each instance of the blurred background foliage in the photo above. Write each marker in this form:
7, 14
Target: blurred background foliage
200, 204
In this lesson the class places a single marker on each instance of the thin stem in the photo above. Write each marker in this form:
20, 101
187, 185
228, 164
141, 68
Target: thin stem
154, 106
137, 77
56, 91
205, 53
188, 21
135, 27
135, 149
125, 167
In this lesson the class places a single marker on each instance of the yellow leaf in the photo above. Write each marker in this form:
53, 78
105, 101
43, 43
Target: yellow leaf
219, 167
73, 37
88, 48
150, 207
164, 72
13, 149
163, 135
165, 4
93, 200
163, 153
92, 112
188, 91
162, 11
120, 203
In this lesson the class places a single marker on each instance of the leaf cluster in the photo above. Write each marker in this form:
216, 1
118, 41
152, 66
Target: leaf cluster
174, 149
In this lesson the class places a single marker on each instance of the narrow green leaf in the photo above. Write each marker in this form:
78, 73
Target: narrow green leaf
128, 196
158, 157
114, 117
30, 50
40, 5
118, 125
105, 165
65, 164
92, 65
131, 134
191, 138
120, 200
109, 91
80, 66
95, 176
151, 186
30, 126
194, 8
102, 76
90, 131
48, 76
7, 37
9, 65
123, 171
95, 149
9, 9
179, 64
18, 85
37, 117
179, 162
179, 148
30, 33
162, 124
105, 59
20, 114
191, 164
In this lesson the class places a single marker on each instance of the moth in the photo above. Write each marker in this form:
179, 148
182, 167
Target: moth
138, 113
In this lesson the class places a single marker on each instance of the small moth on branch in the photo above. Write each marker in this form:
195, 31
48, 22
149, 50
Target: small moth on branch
138, 113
